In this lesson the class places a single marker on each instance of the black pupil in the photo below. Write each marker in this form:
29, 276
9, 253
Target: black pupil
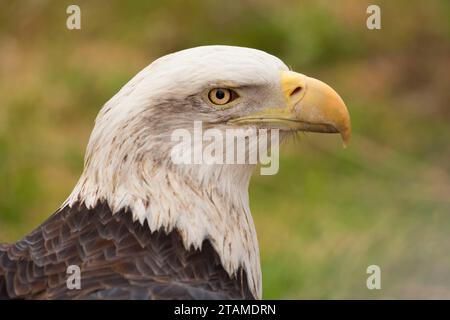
220, 94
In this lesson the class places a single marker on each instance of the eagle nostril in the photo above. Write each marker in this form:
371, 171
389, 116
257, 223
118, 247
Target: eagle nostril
295, 91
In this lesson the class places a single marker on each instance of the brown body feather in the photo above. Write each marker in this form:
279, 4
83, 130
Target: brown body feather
118, 258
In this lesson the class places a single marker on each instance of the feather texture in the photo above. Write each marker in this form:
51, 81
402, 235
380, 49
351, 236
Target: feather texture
118, 258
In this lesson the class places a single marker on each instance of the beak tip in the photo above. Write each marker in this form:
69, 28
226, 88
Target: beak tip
345, 135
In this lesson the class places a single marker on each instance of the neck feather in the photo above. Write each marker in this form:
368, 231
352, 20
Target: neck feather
200, 202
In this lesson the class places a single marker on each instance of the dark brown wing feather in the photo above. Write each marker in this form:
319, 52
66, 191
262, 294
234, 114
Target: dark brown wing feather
118, 258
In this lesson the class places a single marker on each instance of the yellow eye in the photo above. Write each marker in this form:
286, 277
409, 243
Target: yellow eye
220, 96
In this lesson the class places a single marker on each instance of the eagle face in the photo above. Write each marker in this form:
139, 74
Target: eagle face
223, 87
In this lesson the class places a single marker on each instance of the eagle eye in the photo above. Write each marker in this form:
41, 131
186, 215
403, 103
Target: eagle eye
221, 96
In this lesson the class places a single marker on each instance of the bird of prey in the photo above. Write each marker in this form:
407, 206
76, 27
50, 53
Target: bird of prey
139, 226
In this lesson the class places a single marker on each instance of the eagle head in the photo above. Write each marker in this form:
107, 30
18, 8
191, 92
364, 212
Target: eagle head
129, 162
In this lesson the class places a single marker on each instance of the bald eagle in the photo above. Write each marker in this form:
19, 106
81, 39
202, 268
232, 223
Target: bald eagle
139, 226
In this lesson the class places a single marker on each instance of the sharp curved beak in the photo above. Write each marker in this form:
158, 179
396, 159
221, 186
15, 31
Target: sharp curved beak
310, 105
315, 105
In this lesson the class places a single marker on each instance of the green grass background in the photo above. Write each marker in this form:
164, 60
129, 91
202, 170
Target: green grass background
329, 212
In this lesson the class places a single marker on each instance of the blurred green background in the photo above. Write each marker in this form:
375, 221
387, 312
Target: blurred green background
329, 213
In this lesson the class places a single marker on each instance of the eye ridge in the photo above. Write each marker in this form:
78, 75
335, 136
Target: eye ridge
221, 96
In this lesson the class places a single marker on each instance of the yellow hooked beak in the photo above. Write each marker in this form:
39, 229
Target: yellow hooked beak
311, 105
